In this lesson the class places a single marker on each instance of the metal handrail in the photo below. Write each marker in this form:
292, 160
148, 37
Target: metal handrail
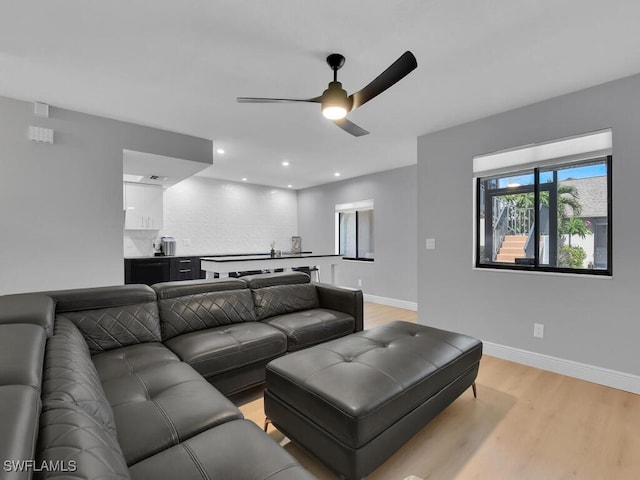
520, 220
500, 228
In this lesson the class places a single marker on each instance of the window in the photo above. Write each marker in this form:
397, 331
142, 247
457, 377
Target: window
354, 230
547, 213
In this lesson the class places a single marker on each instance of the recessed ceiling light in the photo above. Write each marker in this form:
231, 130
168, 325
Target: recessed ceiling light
244, 179
285, 163
220, 151
337, 174
289, 186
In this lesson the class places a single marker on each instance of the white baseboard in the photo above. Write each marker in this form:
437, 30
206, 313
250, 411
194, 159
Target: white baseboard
582, 371
392, 302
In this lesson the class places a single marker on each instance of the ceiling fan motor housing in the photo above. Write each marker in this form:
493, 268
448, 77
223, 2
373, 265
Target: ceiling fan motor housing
335, 103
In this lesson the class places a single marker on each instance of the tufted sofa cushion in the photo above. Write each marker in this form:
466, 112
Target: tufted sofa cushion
193, 312
237, 449
310, 327
70, 376
128, 360
218, 350
277, 300
157, 401
74, 441
111, 317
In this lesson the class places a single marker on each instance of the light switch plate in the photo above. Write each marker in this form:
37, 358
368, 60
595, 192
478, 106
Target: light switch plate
538, 330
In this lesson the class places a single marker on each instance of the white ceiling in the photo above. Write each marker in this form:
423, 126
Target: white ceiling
169, 170
179, 65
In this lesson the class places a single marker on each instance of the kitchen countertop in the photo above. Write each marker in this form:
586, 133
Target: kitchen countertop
267, 256
215, 255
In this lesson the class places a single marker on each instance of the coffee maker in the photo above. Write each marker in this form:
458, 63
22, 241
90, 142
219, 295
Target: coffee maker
168, 246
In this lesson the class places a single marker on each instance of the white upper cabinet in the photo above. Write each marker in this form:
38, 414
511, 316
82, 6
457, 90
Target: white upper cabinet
143, 206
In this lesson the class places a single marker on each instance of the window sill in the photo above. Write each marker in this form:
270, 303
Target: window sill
538, 272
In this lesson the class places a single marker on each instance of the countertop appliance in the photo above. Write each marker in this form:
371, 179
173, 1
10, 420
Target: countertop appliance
168, 246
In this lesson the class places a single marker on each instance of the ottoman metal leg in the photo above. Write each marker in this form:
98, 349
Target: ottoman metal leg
473, 387
266, 423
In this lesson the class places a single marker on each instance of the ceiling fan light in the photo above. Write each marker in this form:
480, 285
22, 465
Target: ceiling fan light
333, 112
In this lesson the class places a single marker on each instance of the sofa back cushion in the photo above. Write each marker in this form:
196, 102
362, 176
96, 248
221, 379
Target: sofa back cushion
181, 288
277, 278
111, 317
199, 311
71, 377
281, 299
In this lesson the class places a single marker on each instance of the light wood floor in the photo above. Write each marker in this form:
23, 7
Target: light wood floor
525, 424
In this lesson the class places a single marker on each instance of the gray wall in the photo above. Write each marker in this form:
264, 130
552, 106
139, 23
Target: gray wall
393, 273
61, 213
589, 320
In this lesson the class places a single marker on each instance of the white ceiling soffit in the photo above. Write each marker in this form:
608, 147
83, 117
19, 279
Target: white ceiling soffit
169, 170
179, 66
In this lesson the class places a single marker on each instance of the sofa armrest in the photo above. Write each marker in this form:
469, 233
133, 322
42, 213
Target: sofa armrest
342, 299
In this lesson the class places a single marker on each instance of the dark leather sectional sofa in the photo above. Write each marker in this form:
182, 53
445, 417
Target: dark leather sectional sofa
130, 381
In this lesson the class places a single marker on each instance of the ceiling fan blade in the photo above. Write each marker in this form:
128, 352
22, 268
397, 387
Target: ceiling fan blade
275, 100
350, 127
396, 72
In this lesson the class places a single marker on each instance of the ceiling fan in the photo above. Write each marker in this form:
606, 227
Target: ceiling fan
334, 100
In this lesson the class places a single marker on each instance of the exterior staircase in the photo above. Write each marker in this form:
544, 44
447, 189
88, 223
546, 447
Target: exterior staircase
512, 248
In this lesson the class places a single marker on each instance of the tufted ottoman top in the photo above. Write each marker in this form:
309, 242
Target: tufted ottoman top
357, 386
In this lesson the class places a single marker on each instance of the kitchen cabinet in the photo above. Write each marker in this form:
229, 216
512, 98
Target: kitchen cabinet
146, 270
161, 269
143, 206
185, 268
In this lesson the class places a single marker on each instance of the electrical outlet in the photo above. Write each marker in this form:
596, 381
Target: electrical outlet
359, 282
430, 244
538, 330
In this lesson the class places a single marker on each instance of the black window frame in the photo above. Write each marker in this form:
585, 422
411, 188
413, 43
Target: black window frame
357, 222
535, 267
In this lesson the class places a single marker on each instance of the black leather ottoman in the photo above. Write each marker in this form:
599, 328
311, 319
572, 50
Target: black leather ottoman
354, 401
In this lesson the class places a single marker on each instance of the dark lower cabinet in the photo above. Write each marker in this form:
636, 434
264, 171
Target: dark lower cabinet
184, 268
146, 270
161, 269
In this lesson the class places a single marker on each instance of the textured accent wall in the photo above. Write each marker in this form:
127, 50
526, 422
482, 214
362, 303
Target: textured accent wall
218, 217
